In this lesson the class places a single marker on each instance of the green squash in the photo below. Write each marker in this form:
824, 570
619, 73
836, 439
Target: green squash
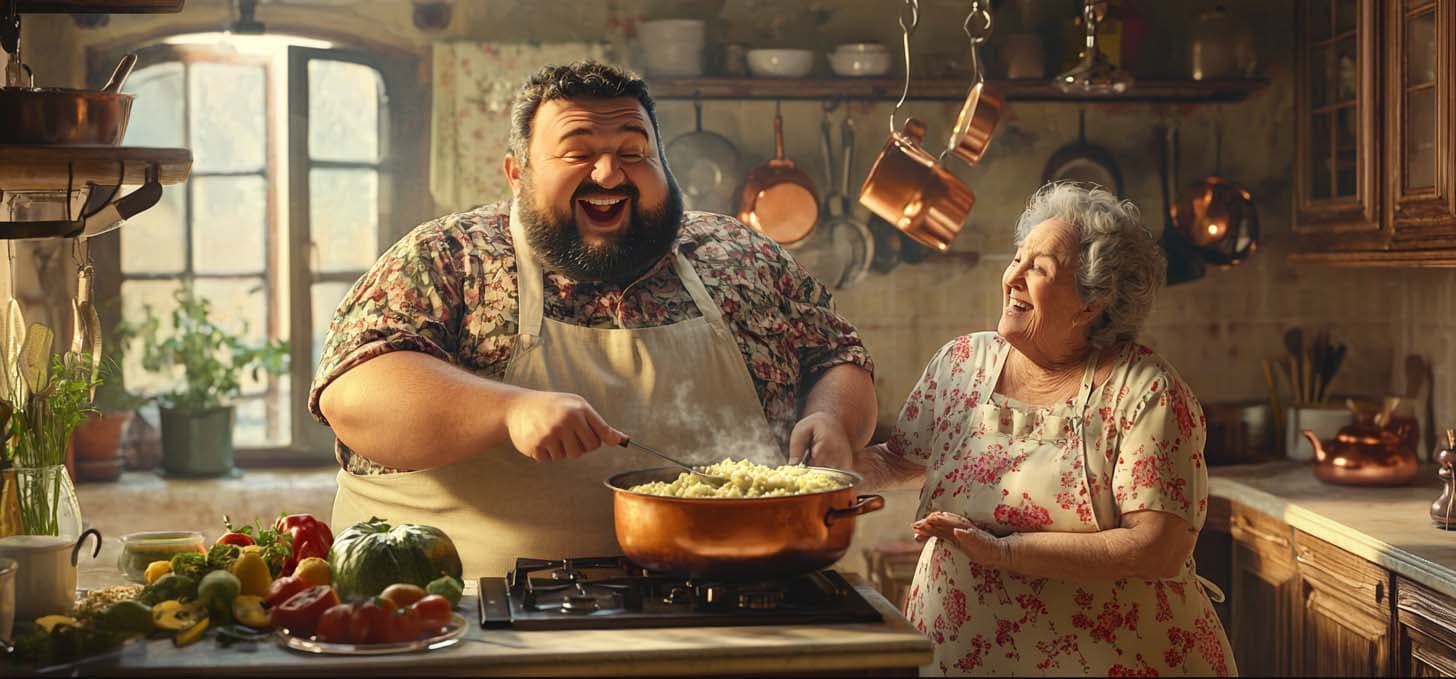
370, 556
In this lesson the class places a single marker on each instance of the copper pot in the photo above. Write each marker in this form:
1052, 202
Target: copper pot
1220, 218
977, 120
778, 199
735, 539
1372, 451
56, 116
909, 189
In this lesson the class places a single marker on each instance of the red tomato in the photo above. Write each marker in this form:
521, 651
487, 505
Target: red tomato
239, 539
333, 626
404, 625
300, 613
375, 614
283, 589
434, 612
403, 595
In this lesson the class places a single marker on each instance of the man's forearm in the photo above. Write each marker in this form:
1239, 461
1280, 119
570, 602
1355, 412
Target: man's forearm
846, 393
882, 470
413, 411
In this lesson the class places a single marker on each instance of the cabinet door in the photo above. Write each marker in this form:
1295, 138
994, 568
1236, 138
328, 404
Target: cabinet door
1346, 609
1427, 628
1336, 118
1213, 556
1265, 590
1421, 159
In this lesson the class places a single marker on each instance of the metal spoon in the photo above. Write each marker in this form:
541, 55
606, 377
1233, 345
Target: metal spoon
122, 72
710, 478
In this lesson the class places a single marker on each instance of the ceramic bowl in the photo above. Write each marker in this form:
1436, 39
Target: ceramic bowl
670, 30
861, 48
859, 64
780, 63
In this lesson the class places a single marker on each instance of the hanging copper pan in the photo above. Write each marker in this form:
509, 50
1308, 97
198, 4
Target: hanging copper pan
977, 120
779, 199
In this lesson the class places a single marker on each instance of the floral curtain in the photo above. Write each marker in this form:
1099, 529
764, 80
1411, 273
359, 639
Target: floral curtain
471, 118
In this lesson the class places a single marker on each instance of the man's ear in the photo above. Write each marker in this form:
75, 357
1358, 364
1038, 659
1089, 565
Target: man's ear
512, 170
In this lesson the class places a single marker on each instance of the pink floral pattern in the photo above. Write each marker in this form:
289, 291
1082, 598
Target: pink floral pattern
1137, 445
449, 289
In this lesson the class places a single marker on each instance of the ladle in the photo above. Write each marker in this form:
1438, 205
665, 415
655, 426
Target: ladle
710, 478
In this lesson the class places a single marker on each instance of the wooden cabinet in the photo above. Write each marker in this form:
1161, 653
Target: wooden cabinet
1345, 612
1263, 589
1375, 157
1426, 631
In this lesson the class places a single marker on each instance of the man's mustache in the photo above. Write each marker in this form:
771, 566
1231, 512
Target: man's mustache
625, 190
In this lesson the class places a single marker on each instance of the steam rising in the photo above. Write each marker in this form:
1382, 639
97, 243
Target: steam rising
707, 435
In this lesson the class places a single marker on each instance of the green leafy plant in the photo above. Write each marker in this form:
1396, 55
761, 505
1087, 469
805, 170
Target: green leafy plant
57, 399
210, 358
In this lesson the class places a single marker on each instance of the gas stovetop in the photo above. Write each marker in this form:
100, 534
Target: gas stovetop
611, 592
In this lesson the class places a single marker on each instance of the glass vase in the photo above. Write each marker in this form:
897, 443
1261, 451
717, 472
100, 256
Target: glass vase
48, 504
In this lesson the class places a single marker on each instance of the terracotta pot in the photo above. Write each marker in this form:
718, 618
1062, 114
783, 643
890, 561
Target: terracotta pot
97, 443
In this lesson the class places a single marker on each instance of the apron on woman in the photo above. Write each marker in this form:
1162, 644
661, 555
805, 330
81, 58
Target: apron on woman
501, 505
985, 621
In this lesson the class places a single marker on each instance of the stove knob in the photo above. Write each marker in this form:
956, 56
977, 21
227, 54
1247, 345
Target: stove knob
760, 600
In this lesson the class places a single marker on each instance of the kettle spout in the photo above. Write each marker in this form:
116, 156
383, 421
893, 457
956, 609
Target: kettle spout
1314, 442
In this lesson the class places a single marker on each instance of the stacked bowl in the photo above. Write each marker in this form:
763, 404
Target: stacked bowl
672, 47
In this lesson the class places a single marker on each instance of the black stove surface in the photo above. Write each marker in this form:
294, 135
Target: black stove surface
611, 592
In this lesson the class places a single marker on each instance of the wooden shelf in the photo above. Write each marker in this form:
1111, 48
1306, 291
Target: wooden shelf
49, 168
1434, 259
98, 6
888, 89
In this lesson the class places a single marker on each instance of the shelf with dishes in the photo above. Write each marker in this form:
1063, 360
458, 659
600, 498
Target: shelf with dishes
944, 89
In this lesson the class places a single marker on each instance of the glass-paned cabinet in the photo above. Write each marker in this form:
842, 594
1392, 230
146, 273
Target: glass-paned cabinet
1375, 163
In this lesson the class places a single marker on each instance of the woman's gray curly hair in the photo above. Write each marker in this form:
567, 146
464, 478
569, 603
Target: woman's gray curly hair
1119, 264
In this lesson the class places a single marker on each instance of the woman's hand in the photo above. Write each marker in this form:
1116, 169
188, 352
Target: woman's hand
981, 546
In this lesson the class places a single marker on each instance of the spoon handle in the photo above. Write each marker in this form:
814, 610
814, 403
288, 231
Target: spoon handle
122, 72
634, 444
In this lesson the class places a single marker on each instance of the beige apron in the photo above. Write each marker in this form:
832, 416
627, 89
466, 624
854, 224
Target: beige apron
1034, 469
679, 387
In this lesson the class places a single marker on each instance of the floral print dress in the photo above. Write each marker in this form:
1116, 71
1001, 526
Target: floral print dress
1133, 443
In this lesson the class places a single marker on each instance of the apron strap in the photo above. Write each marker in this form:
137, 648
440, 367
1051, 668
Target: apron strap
530, 294
1215, 594
699, 292
1084, 393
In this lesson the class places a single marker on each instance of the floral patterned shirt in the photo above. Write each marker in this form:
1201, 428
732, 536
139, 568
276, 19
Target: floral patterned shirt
448, 289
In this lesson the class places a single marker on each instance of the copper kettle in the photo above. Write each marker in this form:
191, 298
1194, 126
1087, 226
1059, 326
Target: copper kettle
1372, 451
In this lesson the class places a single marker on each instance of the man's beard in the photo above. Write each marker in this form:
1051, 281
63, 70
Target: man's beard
644, 239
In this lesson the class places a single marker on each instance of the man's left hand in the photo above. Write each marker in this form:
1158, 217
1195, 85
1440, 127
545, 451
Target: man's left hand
822, 437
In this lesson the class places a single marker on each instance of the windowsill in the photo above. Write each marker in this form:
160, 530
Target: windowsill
147, 501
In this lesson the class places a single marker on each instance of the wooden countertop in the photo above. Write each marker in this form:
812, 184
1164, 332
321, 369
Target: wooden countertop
1387, 526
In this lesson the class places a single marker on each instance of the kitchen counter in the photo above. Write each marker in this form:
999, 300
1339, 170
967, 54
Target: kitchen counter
1387, 526
835, 649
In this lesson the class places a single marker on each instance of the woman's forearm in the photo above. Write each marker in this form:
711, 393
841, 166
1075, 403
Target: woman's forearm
883, 469
413, 411
1111, 554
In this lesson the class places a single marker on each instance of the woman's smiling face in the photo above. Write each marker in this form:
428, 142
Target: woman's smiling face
1042, 314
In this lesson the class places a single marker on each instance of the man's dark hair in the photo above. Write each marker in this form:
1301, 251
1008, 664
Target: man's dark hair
579, 79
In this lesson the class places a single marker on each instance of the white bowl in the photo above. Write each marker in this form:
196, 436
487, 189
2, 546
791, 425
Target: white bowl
670, 30
859, 64
861, 47
673, 59
780, 63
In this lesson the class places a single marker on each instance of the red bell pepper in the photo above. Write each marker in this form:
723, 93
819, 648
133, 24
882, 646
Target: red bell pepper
310, 537
236, 538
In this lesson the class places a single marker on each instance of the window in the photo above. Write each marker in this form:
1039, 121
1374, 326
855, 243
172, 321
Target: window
286, 207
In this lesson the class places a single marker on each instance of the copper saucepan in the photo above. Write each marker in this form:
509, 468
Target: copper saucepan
735, 538
909, 189
59, 116
779, 199
975, 123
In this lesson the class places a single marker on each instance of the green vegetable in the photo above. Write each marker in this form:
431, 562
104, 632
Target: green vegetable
190, 564
369, 556
169, 586
447, 587
128, 618
222, 556
217, 591
64, 643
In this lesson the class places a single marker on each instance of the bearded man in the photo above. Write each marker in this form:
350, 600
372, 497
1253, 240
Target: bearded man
482, 377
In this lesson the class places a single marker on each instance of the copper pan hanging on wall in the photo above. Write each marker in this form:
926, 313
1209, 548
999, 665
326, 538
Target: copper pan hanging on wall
778, 199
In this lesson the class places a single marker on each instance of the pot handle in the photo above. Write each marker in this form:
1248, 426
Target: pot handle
863, 504
76, 551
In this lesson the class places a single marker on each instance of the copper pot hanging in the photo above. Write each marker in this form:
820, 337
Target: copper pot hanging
778, 199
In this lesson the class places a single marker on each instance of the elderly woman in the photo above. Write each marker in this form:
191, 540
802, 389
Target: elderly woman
1064, 482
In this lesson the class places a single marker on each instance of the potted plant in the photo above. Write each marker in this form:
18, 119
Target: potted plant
47, 396
97, 440
197, 417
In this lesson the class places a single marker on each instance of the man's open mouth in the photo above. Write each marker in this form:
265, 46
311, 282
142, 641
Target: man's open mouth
603, 212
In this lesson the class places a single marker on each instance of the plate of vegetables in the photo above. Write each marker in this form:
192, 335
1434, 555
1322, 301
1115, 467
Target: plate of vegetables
403, 619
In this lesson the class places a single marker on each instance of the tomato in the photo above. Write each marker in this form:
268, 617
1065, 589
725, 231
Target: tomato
434, 612
403, 595
333, 626
283, 589
375, 614
235, 538
301, 612
404, 625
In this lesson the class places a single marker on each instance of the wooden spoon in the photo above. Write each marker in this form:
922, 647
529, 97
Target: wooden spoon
1294, 344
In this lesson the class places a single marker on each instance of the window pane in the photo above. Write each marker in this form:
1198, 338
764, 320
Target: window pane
1319, 157
261, 422
1420, 138
1319, 19
228, 123
1321, 74
239, 307
343, 111
153, 241
344, 218
134, 296
326, 298
1346, 15
1420, 49
156, 111
1346, 133
229, 224
1347, 71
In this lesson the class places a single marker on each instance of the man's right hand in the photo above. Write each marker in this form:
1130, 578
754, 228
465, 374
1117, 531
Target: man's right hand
547, 426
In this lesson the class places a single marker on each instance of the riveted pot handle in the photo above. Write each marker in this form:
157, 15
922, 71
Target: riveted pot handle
76, 550
863, 504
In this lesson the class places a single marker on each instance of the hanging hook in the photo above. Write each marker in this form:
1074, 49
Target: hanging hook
905, 31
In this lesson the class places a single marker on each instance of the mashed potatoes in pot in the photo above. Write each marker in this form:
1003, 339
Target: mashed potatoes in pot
745, 479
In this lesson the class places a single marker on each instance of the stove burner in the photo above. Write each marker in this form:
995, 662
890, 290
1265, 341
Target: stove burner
580, 603
680, 594
566, 574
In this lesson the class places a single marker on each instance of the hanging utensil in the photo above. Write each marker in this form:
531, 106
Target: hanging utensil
710, 478
856, 236
122, 72
778, 199
1218, 216
1184, 264
982, 107
85, 323
1083, 162
706, 165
